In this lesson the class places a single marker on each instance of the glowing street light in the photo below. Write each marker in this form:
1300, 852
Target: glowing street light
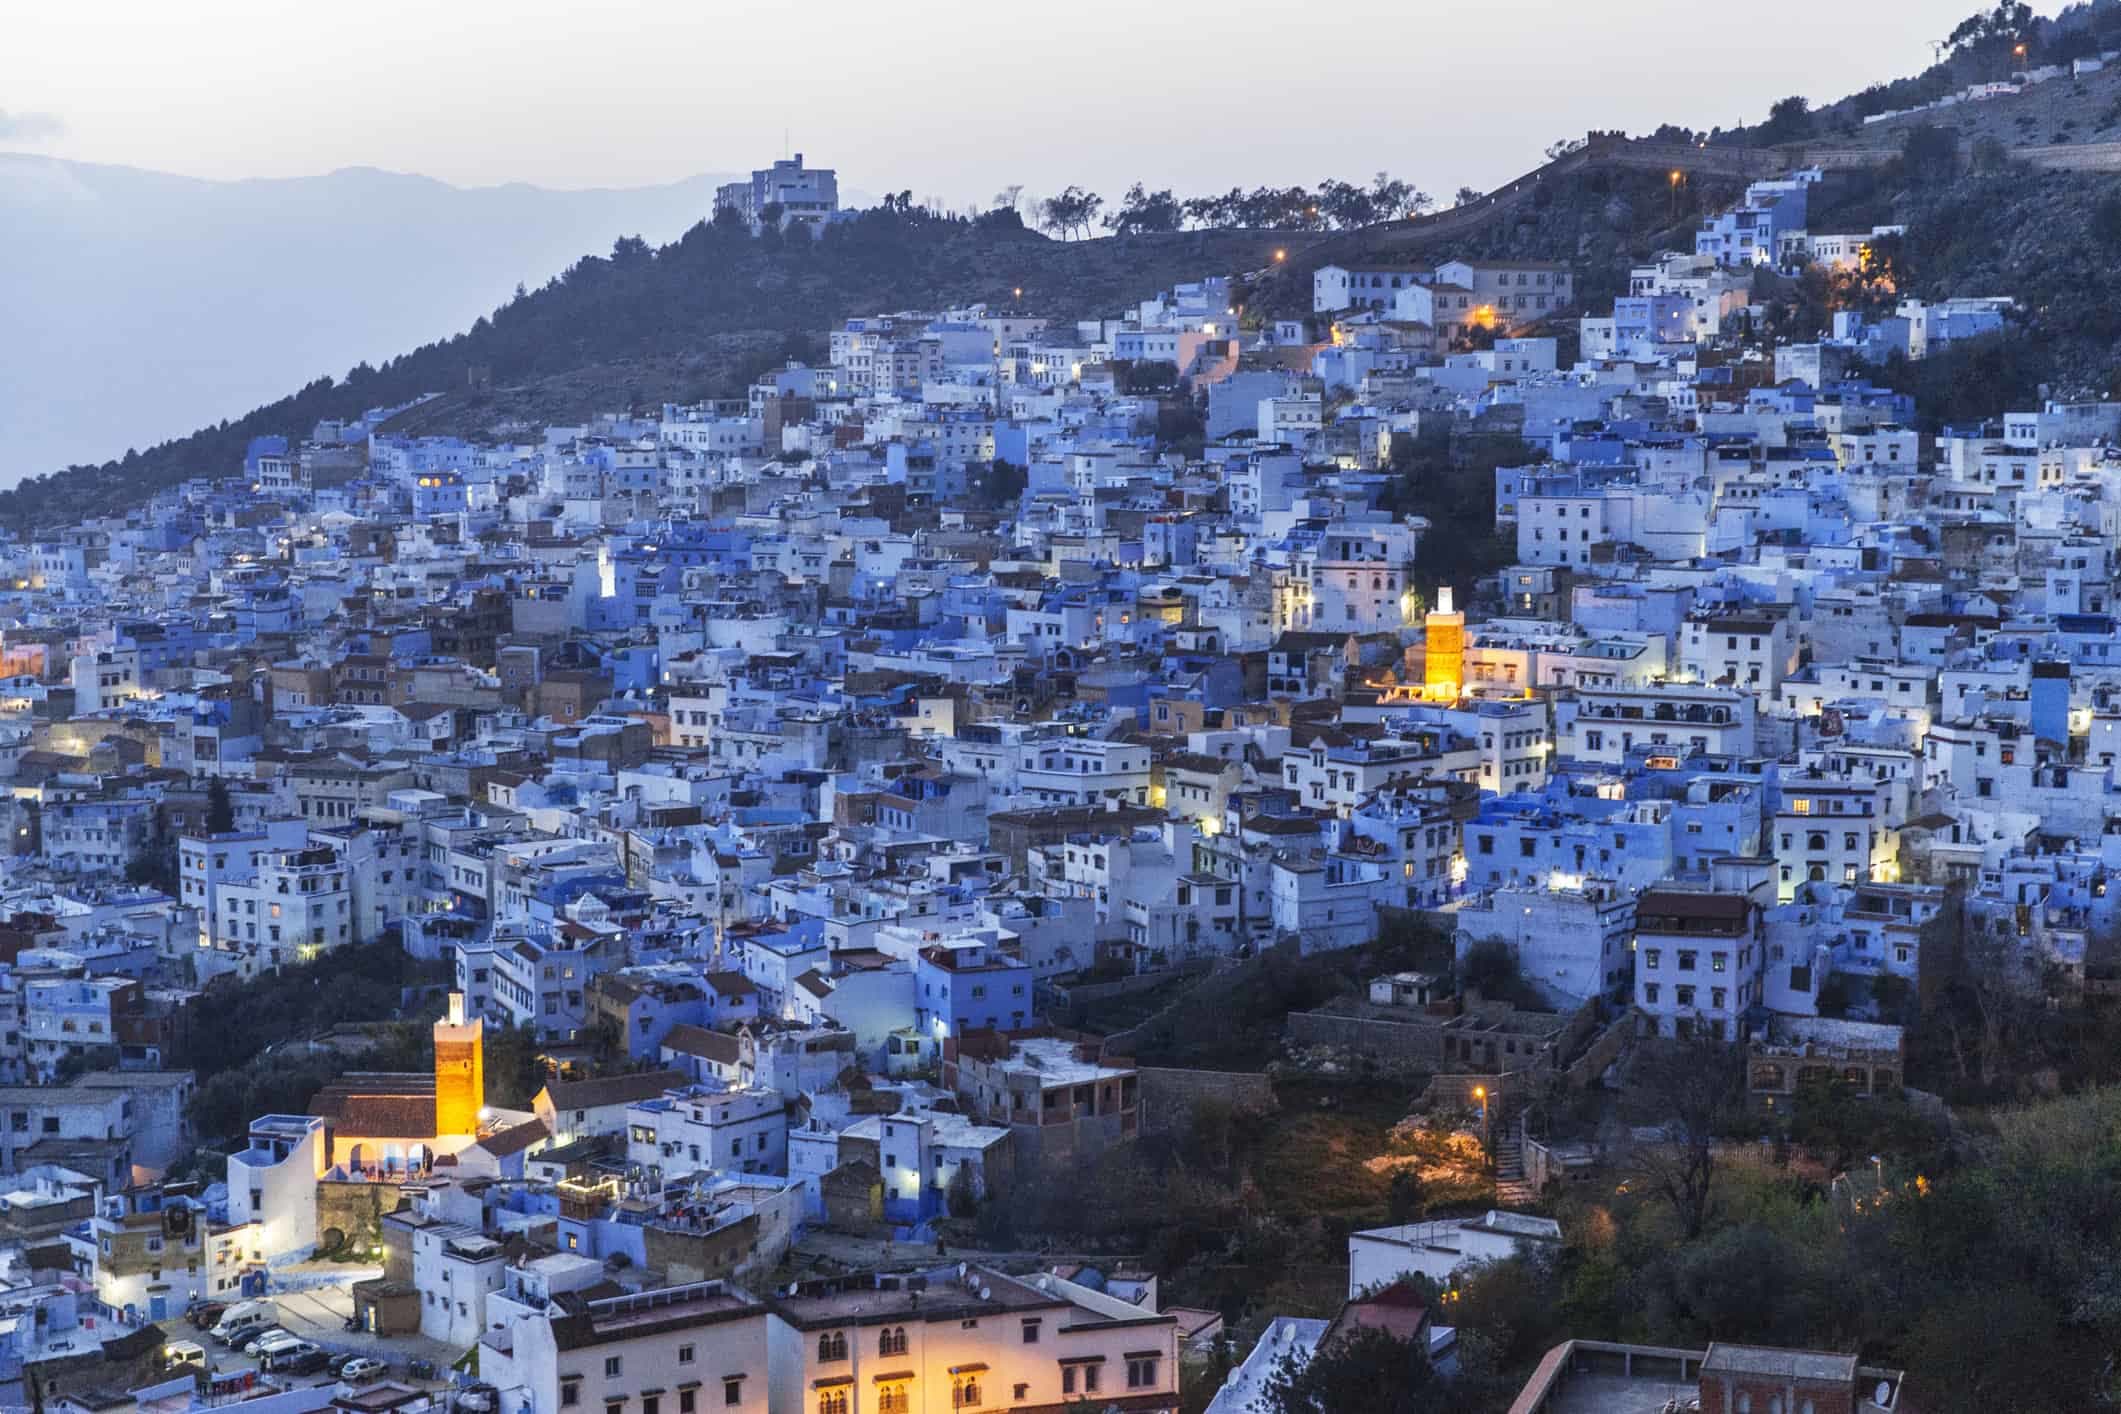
1280, 256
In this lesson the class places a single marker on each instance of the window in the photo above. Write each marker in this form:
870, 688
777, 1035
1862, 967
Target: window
1031, 1331
733, 1390
1141, 1372
832, 1346
685, 1401
651, 1404
612, 1367
832, 1401
684, 1355
965, 1392
570, 1393
891, 1340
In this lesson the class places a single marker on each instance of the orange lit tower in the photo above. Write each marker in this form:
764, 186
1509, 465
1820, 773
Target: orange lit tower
460, 1071
1446, 634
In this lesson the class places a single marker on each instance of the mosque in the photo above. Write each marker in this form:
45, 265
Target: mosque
370, 1131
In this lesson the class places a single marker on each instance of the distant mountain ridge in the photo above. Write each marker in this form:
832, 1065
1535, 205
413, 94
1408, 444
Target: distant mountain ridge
138, 304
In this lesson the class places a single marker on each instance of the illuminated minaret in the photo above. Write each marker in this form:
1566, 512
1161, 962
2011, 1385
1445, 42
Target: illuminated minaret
1446, 633
460, 1071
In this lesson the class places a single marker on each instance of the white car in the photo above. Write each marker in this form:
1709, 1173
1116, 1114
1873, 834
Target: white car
361, 1371
257, 1344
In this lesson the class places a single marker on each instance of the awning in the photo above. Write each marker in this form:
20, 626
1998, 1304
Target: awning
890, 1378
831, 1381
976, 1368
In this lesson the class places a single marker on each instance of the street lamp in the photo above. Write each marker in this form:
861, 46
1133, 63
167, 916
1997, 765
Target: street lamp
1480, 1093
1280, 256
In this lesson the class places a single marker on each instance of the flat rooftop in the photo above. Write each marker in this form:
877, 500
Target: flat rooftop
650, 1313
1620, 1394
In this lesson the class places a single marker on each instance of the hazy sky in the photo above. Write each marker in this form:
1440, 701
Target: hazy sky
951, 99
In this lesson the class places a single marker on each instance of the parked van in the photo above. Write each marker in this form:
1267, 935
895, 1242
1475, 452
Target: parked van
242, 1321
285, 1354
184, 1355
272, 1338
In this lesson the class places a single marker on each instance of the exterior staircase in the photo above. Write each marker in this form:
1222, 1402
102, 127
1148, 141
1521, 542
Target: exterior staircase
1511, 1189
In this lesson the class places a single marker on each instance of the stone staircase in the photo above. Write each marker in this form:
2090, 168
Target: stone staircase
1511, 1189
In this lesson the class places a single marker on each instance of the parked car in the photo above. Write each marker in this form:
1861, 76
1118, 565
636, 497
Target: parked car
184, 1355
309, 1360
341, 1360
269, 1340
363, 1369
202, 1314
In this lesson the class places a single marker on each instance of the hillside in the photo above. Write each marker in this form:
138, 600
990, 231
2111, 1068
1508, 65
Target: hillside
2059, 111
139, 303
696, 318
1989, 46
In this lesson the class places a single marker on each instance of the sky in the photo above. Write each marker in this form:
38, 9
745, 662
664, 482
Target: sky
955, 100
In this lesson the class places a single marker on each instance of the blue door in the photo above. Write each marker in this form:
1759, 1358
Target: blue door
157, 1308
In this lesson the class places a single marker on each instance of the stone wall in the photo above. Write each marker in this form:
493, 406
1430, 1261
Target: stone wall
354, 1209
703, 1256
1604, 1049
1168, 1096
1407, 1043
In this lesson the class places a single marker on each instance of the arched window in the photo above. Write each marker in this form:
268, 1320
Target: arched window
1745, 1403
1815, 841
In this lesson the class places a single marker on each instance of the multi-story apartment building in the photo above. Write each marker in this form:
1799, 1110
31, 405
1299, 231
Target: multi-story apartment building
1699, 957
